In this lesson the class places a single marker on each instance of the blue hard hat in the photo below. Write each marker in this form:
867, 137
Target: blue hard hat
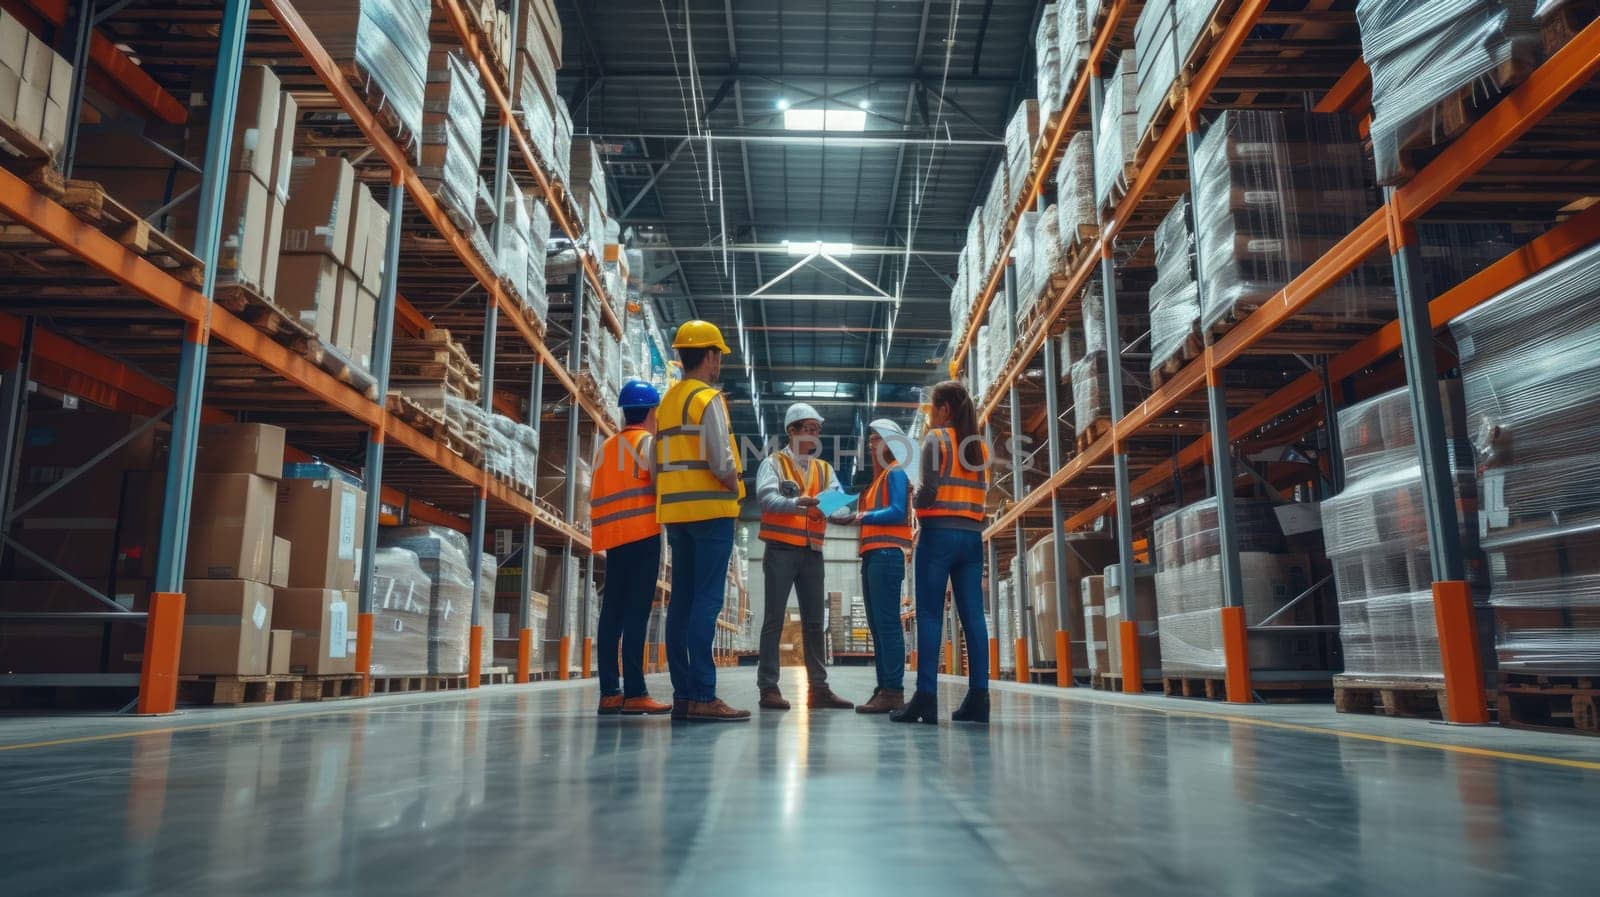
638, 394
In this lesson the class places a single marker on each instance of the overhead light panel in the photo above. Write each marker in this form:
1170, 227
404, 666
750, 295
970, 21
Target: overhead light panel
817, 247
817, 389
825, 119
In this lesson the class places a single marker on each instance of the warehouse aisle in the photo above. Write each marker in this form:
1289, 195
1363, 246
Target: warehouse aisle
522, 791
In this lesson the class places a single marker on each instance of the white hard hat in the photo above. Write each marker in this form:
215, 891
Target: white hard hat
798, 412
900, 445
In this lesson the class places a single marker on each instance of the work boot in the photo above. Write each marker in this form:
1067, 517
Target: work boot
884, 701
610, 705
974, 709
680, 709
715, 711
824, 699
772, 699
922, 708
644, 705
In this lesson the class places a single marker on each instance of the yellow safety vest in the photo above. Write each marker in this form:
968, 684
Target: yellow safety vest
686, 490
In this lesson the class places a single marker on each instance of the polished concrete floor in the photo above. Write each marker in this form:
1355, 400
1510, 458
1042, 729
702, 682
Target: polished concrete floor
520, 790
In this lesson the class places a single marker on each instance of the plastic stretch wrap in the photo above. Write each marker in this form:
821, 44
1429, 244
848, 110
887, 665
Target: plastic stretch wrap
1193, 16
1005, 628
1022, 135
1116, 134
1095, 636
995, 210
1155, 43
1530, 364
452, 132
536, 297
388, 41
488, 569
1091, 393
1047, 59
562, 146
538, 119
1188, 584
401, 597
1140, 606
1049, 254
960, 300
1025, 253
980, 365
1425, 56
1175, 296
442, 554
1092, 311
1273, 192
1075, 188
1075, 16
514, 243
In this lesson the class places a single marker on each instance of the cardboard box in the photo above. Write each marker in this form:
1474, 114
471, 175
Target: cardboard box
366, 314
226, 627
324, 631
61, 81
282, 552
272, 249
377, 248
230, 531
242, 257
354, 255
10, 85
318, 212
53, 130
324, 518
308, 288
38, 60
282, 165
241, 448
29, 118
344, 311
13, 42
255, 124
278, 642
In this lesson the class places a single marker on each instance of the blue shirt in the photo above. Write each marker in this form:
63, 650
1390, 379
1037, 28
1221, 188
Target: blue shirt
899, 502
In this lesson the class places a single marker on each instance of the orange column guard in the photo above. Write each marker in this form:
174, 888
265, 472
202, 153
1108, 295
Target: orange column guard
563, 654
364, 624
588, 656
1465, 699
1132, 670
475, 657
950, 658
524, 655
661, 657
1022, 660
1063, 659
994, 658
1236, 655
163, 641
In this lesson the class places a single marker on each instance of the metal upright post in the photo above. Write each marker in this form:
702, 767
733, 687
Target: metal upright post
586, 585
14, 421
1330, 426
1025, 636
83, 20
1454, 614
1052, 410
382, 346
525, 633
994, 586
569, 496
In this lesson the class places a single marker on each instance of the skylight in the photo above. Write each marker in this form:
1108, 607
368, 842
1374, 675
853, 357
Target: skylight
825, 119
819, 389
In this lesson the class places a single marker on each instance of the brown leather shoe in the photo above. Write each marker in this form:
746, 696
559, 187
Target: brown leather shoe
772, 699
610, 705
715, 711
644, 705
825, 699
883, 701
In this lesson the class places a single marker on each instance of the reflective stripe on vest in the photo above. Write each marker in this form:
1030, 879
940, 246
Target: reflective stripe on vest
622, 495
887, 535
961, 490
798, 530
686, 490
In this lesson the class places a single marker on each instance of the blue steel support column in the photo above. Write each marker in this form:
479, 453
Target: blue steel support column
82, 20
1024, 596
13, 421
382, 343
525, 599
172, 550
1052, 409
569, 494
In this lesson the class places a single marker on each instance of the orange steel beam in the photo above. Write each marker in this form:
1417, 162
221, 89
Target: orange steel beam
113, 74
1351, 92
317, 58
491, 81
1074, 102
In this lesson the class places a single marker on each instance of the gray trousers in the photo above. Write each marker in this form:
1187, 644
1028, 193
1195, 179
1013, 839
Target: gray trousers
800, 569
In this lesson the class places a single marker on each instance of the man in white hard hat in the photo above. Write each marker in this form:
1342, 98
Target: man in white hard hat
788, 486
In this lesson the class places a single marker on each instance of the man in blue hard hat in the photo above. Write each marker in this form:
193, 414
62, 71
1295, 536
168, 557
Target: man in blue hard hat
622, 523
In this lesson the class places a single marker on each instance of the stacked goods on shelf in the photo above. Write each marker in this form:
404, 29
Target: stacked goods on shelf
488, 569
442, 554
382, 46
588, 188
1188, 555
510, 449
322, 627
537, 299
1561, 20
1085, 552
1049, 254
322, 513
1024, 253
1116, 135
1435, 66
452, 134
1075, 190
1096, 637
1022, 134
996, 212
1091, 384
553, 468
515, 243
1075, 44
1377, 536
556, 576
1140, 607
401, 596
1194, 18
1175, 296
538, 52
1530, 372
434, 373
1155, 44
35, 91
492, 25
1273, 192
1047, 59
1004, 626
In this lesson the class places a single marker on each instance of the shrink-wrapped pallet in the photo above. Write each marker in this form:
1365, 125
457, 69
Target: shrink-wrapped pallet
1075, 190
1047, 59
1435, 65
452, 134
1075, 40
1049, 254
1530, 365
1193, 18
1155, 43
515, 225
1175, 296
1135, 604
488, 567
442, 554
402, 595
385, 43
1095, 635
1024, 258
1116, 134
1022, 135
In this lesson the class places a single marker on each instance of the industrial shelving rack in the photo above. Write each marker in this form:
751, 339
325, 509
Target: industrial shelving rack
317, 409
1172, 431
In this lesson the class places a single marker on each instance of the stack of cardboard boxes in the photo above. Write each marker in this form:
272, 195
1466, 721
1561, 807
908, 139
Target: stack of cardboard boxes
538, 57
35, 86
322, 512
452, 134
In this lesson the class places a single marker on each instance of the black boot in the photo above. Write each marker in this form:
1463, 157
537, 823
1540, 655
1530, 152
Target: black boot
974, 708
922, 708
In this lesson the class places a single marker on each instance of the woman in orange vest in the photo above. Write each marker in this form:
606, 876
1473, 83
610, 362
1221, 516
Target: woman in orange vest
950, 512
886, 534
622, 521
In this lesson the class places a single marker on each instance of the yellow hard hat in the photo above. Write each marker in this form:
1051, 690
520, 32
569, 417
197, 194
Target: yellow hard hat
700, 335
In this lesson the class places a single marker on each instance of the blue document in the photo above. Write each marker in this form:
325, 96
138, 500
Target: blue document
828, 502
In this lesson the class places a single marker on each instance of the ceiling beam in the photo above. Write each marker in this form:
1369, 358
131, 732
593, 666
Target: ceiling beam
780, 249
841, 139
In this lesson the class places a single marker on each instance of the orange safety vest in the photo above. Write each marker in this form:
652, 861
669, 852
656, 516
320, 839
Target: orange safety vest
622, 495
962, 490
886, 535
799, 529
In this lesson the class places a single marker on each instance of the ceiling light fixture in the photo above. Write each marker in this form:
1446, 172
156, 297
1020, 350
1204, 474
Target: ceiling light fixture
816, 247
850, 120
783, 105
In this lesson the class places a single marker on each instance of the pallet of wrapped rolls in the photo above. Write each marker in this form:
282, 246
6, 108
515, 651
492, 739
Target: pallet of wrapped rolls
1140, 608
381, 47
1175, 338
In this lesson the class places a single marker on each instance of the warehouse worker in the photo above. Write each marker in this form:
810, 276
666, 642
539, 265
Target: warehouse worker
950, 512
622, 523
886, 532
699, 485
787, 486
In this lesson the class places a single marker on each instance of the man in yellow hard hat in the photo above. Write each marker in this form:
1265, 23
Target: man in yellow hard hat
699, 484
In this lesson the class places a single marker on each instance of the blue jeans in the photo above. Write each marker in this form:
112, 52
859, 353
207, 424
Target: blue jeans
625, 613
883, 573
953, 556
700, 553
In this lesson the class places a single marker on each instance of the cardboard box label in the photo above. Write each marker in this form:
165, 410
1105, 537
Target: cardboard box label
347, 526
259, 616
338, 630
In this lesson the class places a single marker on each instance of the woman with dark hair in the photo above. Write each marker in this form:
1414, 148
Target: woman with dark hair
950, 511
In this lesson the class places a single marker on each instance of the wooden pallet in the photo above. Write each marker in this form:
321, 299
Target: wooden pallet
1426, 134
227, 690
497, 676
331, 688
1121, 182
452, 682
1094, 431
1193, 346
1416, 698
388, 685
490, 25
28, 158
1307, 332
91, 203
378, 104
266, 316
1272, 691
1563, 703
1158, 122
1103, 682
1564, 22
1215, 24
